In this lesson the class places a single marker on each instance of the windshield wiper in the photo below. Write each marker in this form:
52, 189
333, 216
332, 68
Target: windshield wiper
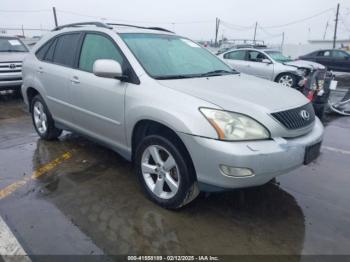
174, 77
15, 51
220, 72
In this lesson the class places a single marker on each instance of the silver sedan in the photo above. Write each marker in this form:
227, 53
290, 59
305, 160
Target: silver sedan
270, 64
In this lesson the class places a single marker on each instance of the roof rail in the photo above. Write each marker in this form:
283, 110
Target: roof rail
142, 27
98, 24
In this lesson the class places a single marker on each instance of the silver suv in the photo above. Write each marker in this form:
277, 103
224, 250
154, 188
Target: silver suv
12, 53
187, 121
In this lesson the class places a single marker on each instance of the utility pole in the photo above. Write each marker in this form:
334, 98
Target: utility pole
336, 26
23, 31
256, 26
282, 43
217, 24
55, 15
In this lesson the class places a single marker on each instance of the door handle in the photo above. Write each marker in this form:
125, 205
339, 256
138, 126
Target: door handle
75, 80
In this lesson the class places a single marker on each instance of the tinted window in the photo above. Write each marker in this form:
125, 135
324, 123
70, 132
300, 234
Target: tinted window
255, 56
339, 54
97, 47
236, 55
326, 53
66, 48
40, 54
50, 52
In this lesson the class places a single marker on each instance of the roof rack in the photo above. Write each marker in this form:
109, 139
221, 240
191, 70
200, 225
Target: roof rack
142, 27
98, 24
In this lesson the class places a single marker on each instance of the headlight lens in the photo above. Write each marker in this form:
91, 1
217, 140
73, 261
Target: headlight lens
301, 72
233, 126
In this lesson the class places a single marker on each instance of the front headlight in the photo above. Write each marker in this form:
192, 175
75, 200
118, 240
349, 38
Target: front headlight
235, 127
301, 72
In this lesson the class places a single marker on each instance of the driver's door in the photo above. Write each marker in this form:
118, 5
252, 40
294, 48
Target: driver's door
98, 102
256, 66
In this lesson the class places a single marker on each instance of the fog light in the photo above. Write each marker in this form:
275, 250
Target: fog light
236, 171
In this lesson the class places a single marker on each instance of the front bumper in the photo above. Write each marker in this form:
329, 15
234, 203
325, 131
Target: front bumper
267, 158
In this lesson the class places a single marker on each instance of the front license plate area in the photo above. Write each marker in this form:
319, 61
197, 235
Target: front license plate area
311, 153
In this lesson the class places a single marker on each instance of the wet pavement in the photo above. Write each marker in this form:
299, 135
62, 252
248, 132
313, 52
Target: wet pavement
91, 202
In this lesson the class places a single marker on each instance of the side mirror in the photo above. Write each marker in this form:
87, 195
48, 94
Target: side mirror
266, 61
108, 68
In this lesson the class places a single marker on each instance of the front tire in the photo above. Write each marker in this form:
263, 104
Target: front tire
164, 172
287, 80
42, 119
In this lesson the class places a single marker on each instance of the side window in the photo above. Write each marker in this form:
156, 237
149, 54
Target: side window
339, 54
255, 56
40, 54
49, 54
66, 49
96, 47
325, 53
235, 55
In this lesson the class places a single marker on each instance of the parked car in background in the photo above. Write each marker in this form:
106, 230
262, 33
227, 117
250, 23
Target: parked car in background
333, 59
12, 53
271, 65
186, 119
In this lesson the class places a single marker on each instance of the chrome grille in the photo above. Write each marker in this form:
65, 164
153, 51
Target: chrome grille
293, 119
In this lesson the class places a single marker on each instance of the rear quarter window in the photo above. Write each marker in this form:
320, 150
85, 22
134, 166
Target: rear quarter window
66, 49
40, 54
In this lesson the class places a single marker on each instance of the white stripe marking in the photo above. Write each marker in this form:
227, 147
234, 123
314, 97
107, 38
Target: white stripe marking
336, 150
9, 245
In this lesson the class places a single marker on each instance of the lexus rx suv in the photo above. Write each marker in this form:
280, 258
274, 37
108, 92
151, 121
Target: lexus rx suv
186, 119
12, 53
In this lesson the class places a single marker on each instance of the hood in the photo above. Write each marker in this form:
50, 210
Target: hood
306, 64
239, 93
12, 56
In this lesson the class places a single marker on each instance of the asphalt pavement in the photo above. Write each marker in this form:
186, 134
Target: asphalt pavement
73, 196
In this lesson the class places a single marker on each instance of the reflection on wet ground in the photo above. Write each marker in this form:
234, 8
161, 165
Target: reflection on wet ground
97, 193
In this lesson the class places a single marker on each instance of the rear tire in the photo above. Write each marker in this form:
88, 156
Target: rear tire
42, 119
164, 172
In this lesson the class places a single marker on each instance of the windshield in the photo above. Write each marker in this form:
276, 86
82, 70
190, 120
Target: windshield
171, 57
12, 45
278, 56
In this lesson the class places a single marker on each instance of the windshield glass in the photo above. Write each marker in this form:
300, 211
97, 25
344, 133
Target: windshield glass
278, 56
12, 45
169, 56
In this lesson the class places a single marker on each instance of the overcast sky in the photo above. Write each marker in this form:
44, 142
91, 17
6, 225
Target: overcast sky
191, 18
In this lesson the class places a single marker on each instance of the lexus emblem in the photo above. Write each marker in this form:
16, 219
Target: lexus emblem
305, 115
12, 66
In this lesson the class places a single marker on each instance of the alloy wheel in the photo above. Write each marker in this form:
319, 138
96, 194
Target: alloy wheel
160, 172
286, 80
40, 118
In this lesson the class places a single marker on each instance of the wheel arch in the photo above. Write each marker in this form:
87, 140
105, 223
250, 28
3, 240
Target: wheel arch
147, 127
31, 92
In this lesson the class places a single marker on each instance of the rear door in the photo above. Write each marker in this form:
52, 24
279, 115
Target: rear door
236, 59
54, 71
99, 102
325, 58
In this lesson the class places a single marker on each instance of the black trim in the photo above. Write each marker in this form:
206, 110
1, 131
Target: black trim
142, 27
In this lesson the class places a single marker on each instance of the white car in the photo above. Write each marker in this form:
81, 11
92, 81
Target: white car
271, 64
